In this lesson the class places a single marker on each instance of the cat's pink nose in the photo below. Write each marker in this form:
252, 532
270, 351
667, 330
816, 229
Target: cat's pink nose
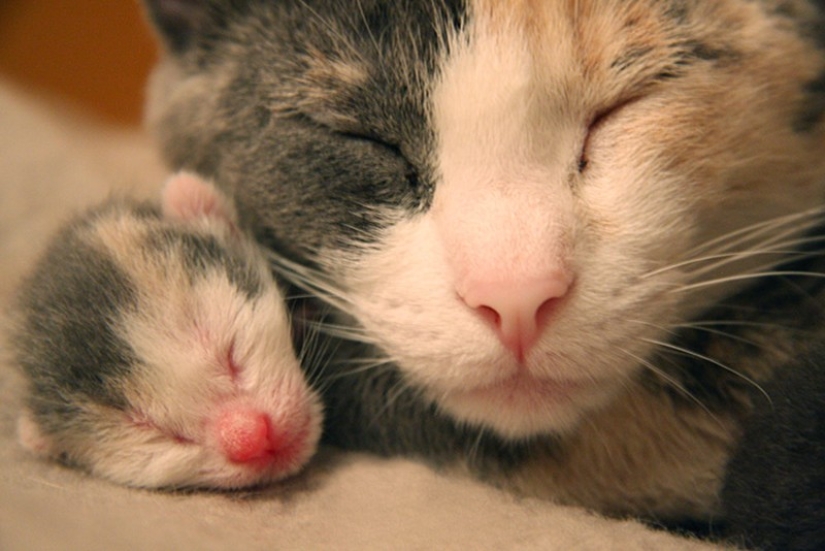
245, 435
517, 310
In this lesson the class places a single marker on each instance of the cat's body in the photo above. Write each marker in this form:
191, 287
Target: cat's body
774, 493
532, 217
157, 349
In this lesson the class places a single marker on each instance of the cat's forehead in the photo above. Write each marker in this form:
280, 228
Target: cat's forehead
369, 62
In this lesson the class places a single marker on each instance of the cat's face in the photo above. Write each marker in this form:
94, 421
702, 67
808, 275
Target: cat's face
511, 198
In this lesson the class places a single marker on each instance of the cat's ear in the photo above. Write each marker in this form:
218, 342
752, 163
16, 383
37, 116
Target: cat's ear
180, 21
187, 197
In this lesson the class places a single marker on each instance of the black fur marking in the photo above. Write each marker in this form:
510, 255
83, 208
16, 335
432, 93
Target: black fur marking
811, 114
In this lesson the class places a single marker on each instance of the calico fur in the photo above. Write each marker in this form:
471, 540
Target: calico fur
661, 163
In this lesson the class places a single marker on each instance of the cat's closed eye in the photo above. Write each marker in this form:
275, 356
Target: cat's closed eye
386, 149
596, 124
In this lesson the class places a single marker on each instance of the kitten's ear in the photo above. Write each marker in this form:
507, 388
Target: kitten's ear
179, 21
187, 197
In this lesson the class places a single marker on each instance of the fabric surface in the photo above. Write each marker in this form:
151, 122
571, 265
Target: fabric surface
53, 164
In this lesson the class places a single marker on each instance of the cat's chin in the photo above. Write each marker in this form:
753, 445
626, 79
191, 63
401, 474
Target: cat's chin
523, 406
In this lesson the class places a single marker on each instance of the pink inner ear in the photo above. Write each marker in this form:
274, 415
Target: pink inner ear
30, 435
187, 197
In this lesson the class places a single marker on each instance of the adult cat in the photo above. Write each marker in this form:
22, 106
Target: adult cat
555, 235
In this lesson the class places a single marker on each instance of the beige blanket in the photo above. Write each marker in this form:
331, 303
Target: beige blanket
52, 164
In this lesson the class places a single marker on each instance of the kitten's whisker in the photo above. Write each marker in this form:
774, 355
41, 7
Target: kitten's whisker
314, 355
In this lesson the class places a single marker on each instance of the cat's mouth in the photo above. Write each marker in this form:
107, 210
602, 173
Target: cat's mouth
523, 388
523, 405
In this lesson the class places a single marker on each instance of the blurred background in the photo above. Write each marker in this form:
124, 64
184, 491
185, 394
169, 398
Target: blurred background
91, 54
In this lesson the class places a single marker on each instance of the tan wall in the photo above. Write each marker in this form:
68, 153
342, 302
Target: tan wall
94, 53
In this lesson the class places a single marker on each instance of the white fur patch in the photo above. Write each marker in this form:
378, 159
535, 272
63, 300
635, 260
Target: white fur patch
512, 110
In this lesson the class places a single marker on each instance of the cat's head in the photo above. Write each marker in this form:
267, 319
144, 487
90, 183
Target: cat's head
515, 200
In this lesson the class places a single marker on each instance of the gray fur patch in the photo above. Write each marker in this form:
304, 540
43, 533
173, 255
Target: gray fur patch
202, 253
66, 341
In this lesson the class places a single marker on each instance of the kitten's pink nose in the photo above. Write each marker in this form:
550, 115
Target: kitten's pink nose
245, 435
517, 310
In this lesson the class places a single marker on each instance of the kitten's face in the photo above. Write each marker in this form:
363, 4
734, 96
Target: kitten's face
510, 196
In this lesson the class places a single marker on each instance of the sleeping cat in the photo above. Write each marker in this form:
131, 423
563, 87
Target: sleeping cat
555, 235
559, 241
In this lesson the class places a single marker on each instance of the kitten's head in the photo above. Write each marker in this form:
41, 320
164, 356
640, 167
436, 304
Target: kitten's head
515, 200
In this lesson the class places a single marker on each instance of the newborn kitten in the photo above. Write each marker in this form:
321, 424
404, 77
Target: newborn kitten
157, 349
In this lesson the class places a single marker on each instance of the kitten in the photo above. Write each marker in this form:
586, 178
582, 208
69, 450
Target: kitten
157, 349
561, 240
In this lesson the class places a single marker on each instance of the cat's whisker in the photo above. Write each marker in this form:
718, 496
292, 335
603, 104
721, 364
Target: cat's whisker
314, 355
810, 219
761, 239
345, 332
784, 255
745, 277
698, 326
362, 366
314, 282
672, 381
727, 323
787, 250
662, 345
392, 395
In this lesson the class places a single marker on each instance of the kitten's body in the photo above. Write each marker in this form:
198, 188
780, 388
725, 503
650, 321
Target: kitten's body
157, 349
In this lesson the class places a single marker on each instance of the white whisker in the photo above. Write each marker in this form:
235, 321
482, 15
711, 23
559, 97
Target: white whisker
745, 276
675, 383
692, 354
753, 231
